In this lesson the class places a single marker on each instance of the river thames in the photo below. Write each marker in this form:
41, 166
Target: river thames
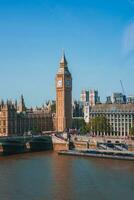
47, 176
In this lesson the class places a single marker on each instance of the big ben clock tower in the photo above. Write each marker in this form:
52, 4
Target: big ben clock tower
63, 96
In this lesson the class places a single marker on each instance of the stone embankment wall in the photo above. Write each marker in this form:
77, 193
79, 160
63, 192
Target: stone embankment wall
84, 145
60, 146
83, 142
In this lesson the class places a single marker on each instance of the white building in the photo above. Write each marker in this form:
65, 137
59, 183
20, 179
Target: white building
86, 113
119, 116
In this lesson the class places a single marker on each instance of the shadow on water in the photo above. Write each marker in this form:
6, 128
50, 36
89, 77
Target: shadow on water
15, 146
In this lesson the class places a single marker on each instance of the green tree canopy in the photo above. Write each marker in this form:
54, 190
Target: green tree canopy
98, 124
132, 131
78, 123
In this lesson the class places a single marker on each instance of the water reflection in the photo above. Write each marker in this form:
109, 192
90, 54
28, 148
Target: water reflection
47, 176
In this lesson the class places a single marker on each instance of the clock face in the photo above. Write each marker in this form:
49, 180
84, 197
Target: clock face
59, 83
68, 83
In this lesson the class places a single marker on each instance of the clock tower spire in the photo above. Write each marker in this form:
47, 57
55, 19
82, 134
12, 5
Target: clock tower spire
63, 96
63, 62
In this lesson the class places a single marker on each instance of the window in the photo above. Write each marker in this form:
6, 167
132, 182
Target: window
4, 130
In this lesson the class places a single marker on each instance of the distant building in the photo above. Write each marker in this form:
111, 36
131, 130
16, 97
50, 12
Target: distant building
130, 99
94, 98
108, 100
84, 97
89, 97
118, 98
78, 109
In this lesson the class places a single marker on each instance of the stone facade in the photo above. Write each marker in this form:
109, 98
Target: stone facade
63, 97
17, 120
8, 118
119, 116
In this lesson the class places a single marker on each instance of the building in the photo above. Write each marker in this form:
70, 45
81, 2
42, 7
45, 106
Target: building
78, 109
84, 97
86, 113
108, 100
94, 98
34, 121
8, 118
118, 98
90, 97
63, 96
130, 99
120, 117
21, 106
17, 120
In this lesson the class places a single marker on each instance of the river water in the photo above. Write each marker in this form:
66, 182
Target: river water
48, 176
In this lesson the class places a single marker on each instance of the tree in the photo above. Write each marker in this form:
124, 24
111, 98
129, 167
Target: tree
78, 123
131, 132
83, 130
35, 130
99, 124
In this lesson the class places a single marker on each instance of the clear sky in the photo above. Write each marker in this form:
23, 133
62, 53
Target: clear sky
97, 36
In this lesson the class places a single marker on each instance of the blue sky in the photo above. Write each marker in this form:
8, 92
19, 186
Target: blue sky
97, 35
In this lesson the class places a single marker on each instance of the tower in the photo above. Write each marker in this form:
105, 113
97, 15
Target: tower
63, 96
8, 118
22, 107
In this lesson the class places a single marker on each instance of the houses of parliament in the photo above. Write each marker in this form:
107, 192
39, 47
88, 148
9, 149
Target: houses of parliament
17, 119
